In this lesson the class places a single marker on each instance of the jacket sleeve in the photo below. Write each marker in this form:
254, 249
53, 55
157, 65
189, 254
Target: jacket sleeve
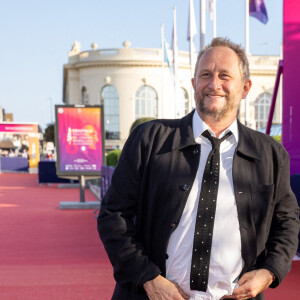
116, 227
283, 238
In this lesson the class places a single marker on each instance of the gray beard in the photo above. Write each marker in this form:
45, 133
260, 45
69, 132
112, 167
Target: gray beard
216, 115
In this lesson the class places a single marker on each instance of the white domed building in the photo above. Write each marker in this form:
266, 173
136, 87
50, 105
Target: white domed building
132, 83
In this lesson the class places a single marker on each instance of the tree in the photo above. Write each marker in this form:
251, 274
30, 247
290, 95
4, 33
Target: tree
140, 121
112, 157
277, 138
49, 133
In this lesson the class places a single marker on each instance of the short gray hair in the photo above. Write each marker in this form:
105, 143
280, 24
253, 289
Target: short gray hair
240, 52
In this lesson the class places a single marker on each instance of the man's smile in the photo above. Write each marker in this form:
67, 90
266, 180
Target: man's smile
214, 96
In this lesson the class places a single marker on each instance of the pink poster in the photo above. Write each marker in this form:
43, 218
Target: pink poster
291, 86
79, 136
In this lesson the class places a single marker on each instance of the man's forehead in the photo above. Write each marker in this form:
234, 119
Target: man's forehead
220, 54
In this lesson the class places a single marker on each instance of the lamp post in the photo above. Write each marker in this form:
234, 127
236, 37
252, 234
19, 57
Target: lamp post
51, 108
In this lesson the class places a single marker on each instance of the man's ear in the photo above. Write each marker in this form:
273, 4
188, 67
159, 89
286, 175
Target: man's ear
247, 87
193, 83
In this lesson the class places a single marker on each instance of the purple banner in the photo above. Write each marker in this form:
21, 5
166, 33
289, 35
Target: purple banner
291, 86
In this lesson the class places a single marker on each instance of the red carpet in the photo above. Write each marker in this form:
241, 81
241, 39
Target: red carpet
289, 289
47, 253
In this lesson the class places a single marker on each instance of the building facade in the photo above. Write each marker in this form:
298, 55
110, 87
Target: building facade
133, 83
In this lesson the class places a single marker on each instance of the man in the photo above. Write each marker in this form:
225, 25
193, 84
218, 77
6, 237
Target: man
148, 216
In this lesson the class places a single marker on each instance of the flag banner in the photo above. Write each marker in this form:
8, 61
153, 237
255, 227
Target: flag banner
257, 9
79, 140
166, 57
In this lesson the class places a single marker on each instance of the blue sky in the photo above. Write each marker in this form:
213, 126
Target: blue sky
35, 37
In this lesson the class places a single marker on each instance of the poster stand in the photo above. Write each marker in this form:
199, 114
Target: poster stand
79, 137
81, 180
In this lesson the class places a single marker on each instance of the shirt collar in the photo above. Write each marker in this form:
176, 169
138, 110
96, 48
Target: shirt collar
199, 126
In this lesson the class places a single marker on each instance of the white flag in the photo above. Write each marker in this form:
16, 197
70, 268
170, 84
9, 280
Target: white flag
211, 8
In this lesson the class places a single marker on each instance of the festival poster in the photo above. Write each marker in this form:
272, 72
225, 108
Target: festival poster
33, 150
79, 140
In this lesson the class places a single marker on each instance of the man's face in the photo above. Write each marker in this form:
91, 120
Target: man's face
218, 84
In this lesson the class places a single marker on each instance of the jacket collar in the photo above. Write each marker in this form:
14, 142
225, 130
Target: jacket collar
184, 137
246, 145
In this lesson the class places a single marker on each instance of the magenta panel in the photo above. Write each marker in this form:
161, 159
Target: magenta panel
291, 82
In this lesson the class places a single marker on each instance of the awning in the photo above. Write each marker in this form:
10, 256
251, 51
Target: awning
5, 144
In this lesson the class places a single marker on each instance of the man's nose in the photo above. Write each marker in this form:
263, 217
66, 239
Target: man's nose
215, 82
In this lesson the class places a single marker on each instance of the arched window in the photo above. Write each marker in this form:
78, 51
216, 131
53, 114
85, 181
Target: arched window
84, 95
184, 100
145, 102
110, 102
262, 108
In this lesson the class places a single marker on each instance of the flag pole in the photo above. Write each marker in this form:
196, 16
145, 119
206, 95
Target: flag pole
192, 31
247, 26
175, 58
214, 18
247, 53
161, 113
202, 24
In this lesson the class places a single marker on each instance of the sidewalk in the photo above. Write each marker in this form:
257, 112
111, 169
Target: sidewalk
47, 253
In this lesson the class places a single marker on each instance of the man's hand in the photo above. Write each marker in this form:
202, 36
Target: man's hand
161, 288
251, 284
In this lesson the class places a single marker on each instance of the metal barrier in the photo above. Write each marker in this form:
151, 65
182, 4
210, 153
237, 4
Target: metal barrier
106, 174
